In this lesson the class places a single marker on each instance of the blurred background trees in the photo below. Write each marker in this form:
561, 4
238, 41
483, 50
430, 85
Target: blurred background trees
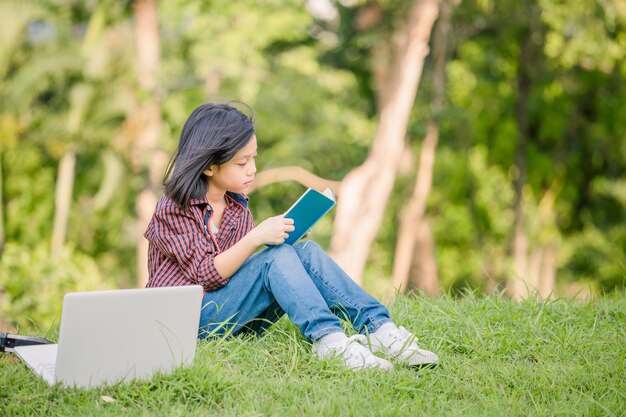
508, 173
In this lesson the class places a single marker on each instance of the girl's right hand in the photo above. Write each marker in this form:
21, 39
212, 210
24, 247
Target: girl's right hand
273, 231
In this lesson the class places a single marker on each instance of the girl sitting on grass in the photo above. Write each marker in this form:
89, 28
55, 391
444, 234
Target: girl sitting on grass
202, 233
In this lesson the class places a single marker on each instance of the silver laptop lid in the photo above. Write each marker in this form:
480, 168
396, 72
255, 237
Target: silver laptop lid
110, 336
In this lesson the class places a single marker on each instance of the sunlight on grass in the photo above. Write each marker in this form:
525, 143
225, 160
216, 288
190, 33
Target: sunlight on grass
498, 357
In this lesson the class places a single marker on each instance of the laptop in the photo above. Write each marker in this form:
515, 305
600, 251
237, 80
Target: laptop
120, 335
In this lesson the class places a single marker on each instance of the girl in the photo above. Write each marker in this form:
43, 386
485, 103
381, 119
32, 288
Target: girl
203, 233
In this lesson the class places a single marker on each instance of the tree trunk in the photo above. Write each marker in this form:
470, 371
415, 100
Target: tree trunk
62, 202
413, 225
3, 324
423, 273
113, 176
542, 270
366, 189
518, 284
2, 232
533, 273
547, 281
546, 274
146, 156
413, 215
546, 278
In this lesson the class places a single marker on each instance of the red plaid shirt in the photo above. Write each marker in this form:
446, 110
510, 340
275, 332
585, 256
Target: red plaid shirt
182, 248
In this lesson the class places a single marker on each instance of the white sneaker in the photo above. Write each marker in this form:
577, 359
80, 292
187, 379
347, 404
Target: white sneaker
401, 346
353, 353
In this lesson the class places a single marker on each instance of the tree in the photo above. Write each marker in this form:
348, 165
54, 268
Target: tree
147, 158
366, 189
543, 77
414, 253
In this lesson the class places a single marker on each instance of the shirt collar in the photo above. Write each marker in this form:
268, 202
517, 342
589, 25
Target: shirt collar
240, 199
233, 198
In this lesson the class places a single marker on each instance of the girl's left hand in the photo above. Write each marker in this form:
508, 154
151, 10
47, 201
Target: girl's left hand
273, 231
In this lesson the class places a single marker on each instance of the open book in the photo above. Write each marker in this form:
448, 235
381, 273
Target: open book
307, 210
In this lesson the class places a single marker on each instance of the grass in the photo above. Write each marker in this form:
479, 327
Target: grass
498, 357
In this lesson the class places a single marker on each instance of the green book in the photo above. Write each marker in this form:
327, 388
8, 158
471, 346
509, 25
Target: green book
307, 210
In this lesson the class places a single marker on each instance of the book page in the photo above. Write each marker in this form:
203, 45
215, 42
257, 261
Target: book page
328, 192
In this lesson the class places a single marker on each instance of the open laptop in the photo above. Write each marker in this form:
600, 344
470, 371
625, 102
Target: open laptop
119, 335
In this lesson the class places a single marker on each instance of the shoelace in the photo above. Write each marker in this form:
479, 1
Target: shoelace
402, 335
410, 337
359, 338
358, 350
355, 349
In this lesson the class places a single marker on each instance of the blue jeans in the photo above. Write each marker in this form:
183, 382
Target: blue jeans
301, 281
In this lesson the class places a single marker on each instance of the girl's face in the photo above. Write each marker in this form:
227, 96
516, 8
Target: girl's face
237, 174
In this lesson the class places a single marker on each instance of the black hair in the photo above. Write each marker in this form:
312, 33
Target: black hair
212, 135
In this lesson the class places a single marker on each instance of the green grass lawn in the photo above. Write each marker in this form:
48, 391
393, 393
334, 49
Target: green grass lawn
497, 357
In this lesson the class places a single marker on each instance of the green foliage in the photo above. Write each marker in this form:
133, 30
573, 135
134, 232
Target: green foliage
64, 87
497, 357
34, 285
68, 79
575, 155
585, 33
597, 257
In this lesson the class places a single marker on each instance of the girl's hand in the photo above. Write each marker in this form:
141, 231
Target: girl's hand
273, 231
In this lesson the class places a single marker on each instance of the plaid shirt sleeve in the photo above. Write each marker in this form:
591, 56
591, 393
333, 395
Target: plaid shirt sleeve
179, 236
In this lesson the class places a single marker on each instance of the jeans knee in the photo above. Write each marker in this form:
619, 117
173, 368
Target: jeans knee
308, 249
281, 254
279, 251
